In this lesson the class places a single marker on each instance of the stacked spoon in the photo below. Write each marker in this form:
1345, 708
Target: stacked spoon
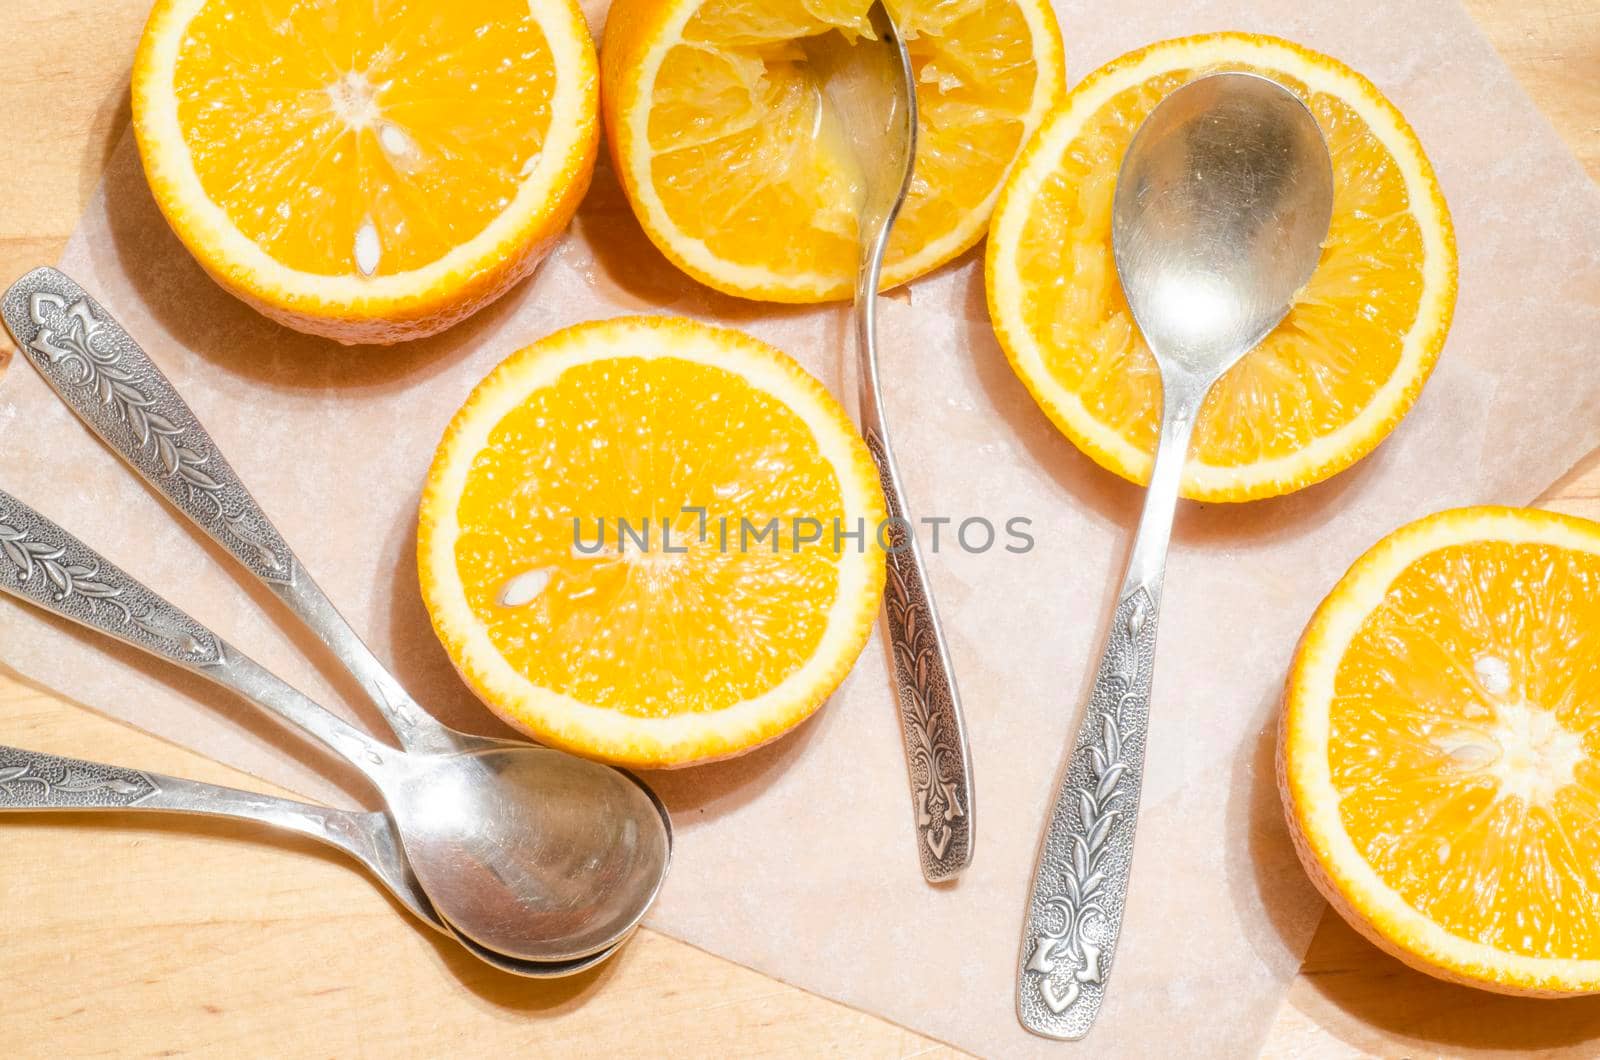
538, 862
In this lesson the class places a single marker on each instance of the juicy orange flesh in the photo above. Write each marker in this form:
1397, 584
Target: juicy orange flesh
633, 627
1463, 742
404, 125
1322, 365
745, 153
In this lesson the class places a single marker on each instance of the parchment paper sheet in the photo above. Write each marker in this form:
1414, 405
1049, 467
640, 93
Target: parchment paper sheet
798, 859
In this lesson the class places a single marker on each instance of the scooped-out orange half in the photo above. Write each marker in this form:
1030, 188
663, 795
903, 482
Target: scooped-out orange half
732, 160
1328, 384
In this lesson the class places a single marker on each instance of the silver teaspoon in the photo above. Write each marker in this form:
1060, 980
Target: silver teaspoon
529, 852
870, 92
33, 781
1221, 208
45, 565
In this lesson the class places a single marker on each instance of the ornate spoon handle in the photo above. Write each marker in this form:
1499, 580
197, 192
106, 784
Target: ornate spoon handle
871, 90
1080, 883
931, 725
32, 780
46, 566
930, 707
108, 380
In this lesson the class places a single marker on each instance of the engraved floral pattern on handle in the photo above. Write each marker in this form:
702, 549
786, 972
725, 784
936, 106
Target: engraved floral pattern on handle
30, 780
105, 376
929, 714
1075, 911
42, 563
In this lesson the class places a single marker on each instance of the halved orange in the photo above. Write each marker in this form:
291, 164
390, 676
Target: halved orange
652, 541
1337, 374
369, 171
1440, 755
719, 133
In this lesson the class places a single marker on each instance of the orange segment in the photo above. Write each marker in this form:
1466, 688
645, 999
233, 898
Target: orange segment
1335, 376
722, 138
609, 549
1442, 748
367, 170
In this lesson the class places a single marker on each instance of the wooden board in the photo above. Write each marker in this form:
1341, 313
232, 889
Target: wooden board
171, 937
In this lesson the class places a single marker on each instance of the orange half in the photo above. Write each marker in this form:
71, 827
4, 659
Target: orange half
367, 171
1441, 748
1328, 384
733, 162
628, 541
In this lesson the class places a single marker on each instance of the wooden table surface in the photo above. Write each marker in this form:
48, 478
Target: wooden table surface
171, 937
